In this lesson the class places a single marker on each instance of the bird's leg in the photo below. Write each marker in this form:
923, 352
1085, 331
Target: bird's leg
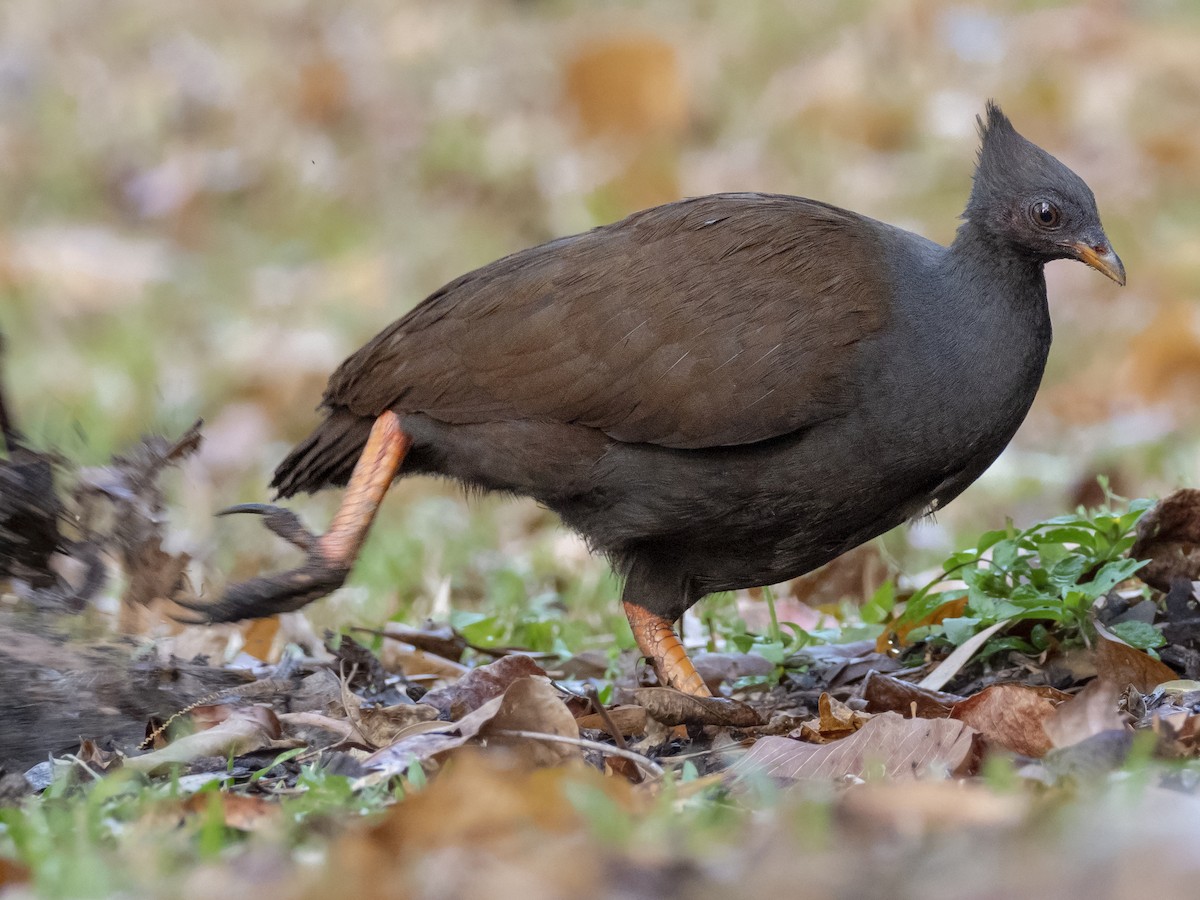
330, 555
659, 643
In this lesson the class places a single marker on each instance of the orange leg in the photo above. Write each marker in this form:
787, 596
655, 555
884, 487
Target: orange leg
658, 642
373, 474
330, 555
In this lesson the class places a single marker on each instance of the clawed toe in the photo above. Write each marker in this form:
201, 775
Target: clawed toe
282, 522
267, 595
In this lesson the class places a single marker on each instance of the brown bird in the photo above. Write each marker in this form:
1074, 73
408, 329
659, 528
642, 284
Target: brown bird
717, 393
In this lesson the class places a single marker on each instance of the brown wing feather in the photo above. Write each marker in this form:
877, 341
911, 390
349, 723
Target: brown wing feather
717, 321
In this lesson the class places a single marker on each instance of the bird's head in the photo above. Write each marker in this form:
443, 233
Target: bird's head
1027, 199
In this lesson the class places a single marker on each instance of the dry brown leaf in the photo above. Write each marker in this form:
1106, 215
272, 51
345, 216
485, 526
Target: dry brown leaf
629, 720
380, 726
899, 747
480, 685
413, 663
1090, 712
1012, 716
96, 757
671, 707
1122, 665
835, 720
883, 693
529, 705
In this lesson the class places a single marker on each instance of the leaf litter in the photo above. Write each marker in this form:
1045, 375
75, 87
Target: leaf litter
840, 715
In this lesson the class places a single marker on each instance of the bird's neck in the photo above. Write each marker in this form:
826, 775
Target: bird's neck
1007, 284
1007, 291
977, 250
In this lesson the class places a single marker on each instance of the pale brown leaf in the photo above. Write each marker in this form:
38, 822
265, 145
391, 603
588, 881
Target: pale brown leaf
1121, 664
629, 720
889, 743
835, 720
529, 705
246, 729
1012, 716
1090, 712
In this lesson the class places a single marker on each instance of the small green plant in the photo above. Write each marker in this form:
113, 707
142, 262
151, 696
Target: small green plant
1051, 573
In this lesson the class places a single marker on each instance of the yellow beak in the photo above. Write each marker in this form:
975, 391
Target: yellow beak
1101, 258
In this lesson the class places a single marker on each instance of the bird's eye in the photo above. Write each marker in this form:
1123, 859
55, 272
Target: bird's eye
1045, 214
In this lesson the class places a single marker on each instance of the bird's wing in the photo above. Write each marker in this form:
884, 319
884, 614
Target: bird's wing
718, 321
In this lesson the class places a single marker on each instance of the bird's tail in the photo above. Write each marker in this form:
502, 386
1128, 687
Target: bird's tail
326, 457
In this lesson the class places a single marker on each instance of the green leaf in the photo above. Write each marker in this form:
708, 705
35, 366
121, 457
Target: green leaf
1067, 571
961, 629
1110, 575
880, 606
1142, 635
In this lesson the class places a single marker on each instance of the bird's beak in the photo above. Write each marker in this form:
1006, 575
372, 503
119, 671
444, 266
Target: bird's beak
1099, 256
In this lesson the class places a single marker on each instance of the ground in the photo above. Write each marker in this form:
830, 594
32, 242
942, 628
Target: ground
204, 208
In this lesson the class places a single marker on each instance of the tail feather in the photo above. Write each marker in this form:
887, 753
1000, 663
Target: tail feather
326, 457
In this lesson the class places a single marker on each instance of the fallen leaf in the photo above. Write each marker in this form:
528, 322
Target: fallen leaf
628, 719
1090, 712
529, 704
672, 707
413, 663
835, 720
1012, 716
245, 730
480, 685
1121, 665
380, 726
884, 693
889, 743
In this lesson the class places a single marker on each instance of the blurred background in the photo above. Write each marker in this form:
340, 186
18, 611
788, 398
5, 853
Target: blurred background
205, 206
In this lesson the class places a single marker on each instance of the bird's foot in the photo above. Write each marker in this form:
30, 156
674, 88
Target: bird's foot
659, 643
269, 595
330, 555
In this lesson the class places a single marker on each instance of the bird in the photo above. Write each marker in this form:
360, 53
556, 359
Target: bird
717, 393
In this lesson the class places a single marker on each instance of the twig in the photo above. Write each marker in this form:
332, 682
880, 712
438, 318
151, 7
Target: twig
594, 696
636, 758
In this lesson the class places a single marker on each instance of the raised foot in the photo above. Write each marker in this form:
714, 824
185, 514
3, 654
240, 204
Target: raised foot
269, 595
